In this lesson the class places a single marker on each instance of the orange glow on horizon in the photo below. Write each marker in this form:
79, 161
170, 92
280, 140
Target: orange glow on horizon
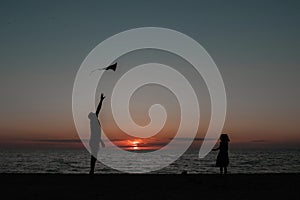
135, 142
138, 144
134, 145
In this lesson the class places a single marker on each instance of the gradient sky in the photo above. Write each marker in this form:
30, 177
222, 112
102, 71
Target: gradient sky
255, 45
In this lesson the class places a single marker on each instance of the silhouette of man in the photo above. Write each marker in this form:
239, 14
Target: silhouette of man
95, 137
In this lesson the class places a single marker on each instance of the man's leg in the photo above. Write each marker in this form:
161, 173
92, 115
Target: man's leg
93, 162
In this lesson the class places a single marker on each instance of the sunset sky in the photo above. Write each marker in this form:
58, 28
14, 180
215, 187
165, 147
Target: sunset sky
255, 45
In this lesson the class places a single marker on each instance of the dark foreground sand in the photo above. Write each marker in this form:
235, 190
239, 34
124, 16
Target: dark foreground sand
125, 186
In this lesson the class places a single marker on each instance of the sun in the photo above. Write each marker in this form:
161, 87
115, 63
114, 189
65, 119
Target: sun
135, 144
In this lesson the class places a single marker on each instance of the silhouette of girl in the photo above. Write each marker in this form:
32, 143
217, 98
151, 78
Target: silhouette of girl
222, 158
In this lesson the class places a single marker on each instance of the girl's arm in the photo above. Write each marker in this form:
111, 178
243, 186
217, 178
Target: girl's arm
216, 149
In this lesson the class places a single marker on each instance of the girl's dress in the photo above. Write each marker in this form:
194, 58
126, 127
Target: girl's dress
223, 159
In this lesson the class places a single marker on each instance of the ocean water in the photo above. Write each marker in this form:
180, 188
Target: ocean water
77, 161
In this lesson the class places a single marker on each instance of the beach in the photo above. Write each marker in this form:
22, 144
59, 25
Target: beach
149, 186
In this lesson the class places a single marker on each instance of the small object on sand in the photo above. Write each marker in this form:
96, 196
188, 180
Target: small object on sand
184, 172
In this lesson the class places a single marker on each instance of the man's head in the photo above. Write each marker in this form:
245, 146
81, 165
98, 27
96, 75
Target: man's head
92, 115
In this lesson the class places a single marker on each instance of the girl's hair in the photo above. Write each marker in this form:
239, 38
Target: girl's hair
224, 137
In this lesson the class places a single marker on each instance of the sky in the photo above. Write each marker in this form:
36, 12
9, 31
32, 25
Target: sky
255, 45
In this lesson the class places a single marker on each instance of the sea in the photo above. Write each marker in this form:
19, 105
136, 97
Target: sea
65, 161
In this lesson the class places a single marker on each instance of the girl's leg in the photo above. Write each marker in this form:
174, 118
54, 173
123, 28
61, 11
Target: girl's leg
221, 170
225, 170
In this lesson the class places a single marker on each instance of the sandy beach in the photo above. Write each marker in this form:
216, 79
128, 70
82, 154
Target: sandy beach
144, 186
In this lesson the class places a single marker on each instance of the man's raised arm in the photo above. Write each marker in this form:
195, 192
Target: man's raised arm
100, 104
